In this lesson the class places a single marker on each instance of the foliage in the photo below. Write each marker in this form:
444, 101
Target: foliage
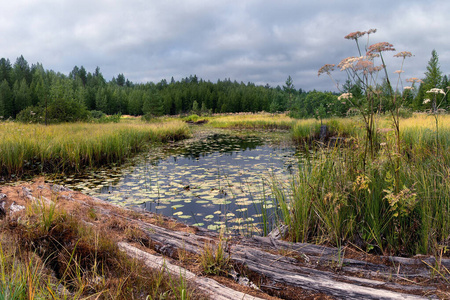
22, 86
336, 199
191, 118
433, 79
214, 259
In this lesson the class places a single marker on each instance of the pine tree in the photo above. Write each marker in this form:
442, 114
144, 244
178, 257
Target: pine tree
433, 79
6, 100
290, 90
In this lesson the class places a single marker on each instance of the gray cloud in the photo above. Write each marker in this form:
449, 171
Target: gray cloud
257, 41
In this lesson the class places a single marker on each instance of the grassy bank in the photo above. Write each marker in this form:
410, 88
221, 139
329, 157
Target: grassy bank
393, 203
253, 121
32, 148
58, 247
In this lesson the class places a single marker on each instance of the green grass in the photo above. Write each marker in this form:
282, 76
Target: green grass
253, 121
338, 197
33, 148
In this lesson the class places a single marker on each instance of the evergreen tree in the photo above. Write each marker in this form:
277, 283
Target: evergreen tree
6, 100
21, 70
120, 80
22, 96
433, 79
289, 89
5, 71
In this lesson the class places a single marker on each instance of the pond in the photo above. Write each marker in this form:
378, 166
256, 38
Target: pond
220, 180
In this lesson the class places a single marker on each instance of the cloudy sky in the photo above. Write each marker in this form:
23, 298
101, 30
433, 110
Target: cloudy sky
251, 41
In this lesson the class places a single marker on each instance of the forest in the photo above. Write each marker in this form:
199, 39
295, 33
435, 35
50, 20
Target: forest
35, 95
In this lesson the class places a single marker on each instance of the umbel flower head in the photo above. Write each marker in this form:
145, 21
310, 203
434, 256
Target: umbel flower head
414, 80
326, 69
380, 47
345, 96
403, 54
357, 34
348, 62
436, 91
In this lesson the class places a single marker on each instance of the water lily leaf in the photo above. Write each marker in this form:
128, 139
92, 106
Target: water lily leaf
185, 217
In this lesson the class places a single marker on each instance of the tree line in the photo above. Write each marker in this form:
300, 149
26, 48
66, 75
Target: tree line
34, 94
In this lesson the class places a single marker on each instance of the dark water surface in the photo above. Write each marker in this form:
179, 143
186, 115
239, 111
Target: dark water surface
218, 181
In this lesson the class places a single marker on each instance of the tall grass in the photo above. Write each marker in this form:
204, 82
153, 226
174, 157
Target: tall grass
70, 147
253, 121
337, 197
72, 260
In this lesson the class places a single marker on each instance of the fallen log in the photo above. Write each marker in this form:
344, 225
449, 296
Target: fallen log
207, 285
284, 270
287, 270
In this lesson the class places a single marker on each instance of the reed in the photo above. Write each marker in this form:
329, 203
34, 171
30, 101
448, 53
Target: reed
338, 197
31, 148
253, 121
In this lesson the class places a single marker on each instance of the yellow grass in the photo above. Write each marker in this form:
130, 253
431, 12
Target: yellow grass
71, 146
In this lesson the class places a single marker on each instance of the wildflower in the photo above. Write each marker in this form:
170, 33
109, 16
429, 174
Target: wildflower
348, 62
399, 72
345, 96
354, 35
414, 79
375, 69
426, 101
326, 69
371, 56
380, 47
371, 31
403, 54
436, 91
408, 88
363, 64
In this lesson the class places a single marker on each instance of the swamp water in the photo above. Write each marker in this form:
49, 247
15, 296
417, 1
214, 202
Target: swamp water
218, 181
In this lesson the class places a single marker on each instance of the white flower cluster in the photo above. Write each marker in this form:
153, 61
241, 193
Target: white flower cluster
436, 91
345, 96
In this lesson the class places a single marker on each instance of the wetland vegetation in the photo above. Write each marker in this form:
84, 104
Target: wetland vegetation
377, 180
249, 181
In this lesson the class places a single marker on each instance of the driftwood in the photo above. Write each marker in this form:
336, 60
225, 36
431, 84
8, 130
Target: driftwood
399, 267
337, 276
284, 270
207, 285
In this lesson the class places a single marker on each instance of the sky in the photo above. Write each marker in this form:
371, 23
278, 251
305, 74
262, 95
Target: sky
262, 42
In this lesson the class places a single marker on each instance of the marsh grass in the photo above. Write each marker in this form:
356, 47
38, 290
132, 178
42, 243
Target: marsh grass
337, 197
214, 259
33, 148
72, 260
253, 121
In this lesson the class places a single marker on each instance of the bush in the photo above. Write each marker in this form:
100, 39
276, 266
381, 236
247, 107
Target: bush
96, 114
31, 114
56, 112
191, 118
